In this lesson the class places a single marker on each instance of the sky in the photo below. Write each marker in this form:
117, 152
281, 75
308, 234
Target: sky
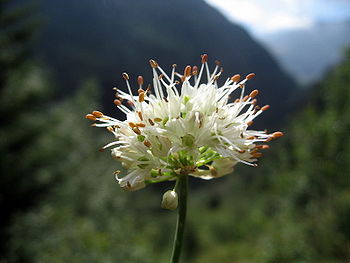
269, 16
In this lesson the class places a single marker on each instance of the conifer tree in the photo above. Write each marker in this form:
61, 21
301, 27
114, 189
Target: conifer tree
23, 89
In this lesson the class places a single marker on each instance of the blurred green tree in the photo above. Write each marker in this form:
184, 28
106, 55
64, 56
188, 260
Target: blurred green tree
297, 207
86, 217
17, 28
23, 89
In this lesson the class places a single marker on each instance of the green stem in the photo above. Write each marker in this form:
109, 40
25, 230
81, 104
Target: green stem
181, 188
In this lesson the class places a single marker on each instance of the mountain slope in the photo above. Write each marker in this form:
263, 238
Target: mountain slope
308, 53
105, 38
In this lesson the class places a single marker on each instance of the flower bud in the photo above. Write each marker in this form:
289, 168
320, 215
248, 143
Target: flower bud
170, 200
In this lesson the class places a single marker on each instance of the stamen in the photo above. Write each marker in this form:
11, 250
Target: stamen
195, 71
236, 78
139, 113
151, 122
140, 80
117, 102
157, 119
173, 73
266, 107
136, 130
90, 117
187, 71
204, 58
148, 90
131, 104
153, 63
97, 114
141, 96
250, 76
125, 76
263, 147
254, 93
147, 143
140, 124
257, 154
277, 134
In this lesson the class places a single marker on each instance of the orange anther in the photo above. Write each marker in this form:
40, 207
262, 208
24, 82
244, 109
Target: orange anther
140, 80
257, 154
136, 130
147, 143
97, 114
90, 117
254, 93
204, 58
250, 76
139, 113
194, 70
187, 71
131, 104
236, 78
141, 97
277, 134
266, 107
117, 102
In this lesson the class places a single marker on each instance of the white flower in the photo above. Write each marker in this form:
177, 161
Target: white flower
170, 200
189, 126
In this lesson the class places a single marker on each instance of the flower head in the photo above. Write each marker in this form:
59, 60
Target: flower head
185, 126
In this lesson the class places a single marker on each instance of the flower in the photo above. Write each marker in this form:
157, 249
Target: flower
170, 200
189, 126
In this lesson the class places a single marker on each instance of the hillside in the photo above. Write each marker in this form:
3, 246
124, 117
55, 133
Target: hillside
308, 53
105, 38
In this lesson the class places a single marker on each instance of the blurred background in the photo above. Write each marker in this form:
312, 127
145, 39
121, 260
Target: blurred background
59, 200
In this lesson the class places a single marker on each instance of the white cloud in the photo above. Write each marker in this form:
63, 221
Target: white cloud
264, 16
